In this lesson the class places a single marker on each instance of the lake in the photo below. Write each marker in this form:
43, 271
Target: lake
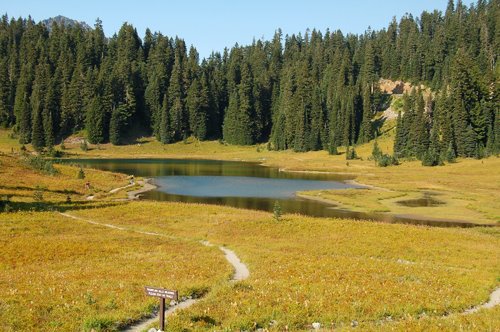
243, 185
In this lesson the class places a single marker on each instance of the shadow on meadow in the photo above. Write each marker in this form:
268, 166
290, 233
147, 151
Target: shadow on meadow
64, 191
6, 205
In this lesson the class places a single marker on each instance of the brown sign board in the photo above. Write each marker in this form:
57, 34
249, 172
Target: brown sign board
160, 292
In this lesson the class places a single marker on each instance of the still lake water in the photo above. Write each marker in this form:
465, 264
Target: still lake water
240, 184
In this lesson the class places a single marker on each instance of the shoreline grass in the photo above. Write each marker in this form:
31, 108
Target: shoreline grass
466, 187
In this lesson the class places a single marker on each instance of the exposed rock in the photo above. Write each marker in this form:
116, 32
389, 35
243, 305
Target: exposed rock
67, 22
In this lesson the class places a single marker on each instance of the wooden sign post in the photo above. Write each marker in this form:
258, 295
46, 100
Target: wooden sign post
162, 294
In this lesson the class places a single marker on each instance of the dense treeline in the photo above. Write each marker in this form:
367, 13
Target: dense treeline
301, 92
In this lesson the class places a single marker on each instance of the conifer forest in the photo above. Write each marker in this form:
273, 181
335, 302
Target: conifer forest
310, 91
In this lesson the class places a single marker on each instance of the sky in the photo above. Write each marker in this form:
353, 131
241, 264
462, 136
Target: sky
212, 25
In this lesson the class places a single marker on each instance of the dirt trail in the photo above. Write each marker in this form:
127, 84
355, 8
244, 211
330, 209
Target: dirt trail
143, 325
241, 271
112, 191
146, 186
494, 301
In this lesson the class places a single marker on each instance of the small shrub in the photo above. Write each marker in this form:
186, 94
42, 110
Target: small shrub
84, 146
376, 152
39, 163
277, 212
38, 194
89, 299
54, 153
480, 152
7, 208
198, 292
63, 147
81, 174
351, 154
450, 154
431, 158
111, 305
332, 149
385, 160
99, 324
5, 204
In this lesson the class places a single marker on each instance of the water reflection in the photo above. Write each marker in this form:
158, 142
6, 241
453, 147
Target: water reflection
257, 177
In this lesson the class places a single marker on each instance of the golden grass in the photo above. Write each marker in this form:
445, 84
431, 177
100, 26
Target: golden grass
20, 181
364, 200
303, 269
485, 320
332, 271
57, 274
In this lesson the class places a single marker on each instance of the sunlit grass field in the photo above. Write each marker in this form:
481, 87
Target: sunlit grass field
20, 181
62, 274
57, 274
336, 272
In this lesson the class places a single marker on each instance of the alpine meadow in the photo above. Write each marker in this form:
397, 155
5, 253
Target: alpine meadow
322, 180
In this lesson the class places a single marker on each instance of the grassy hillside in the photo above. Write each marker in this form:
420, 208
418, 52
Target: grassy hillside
21, 182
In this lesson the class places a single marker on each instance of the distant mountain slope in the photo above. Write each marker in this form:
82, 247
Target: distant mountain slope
66, 21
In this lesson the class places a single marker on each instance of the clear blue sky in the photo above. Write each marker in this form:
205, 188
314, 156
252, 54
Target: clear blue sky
215, 24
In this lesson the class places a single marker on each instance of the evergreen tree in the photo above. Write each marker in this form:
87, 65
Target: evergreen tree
198, 104
94, 123
51, 111
365, 134
239, 124
37, 101
466, 93
400, 138
176, 103
6, 116
166, 130
376, 152
22, 107
419, 132
301, 92
450, 154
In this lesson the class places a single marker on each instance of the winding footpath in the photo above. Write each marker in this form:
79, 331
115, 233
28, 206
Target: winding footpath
145, 184
493, 301
241, 271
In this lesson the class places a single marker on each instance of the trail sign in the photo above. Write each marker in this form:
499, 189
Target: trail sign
162, 294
